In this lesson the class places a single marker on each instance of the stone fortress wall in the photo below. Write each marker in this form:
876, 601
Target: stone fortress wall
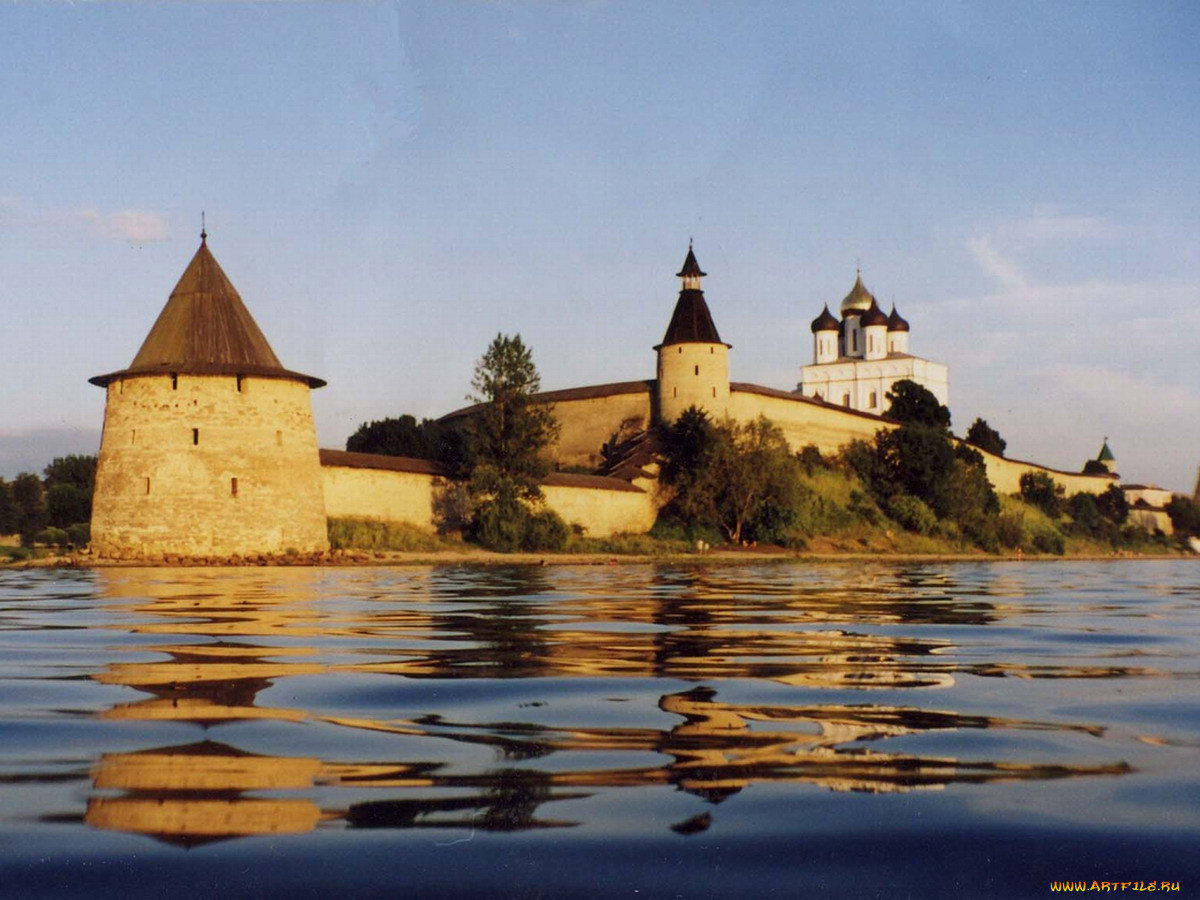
209, 446
207, 465
397, 489
604, 506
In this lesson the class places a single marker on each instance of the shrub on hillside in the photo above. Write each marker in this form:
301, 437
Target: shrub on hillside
1011, 531
1040, 490
911, 514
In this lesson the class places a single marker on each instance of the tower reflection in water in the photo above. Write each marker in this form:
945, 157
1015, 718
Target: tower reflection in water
229, 636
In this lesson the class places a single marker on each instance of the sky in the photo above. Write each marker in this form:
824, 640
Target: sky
390, 185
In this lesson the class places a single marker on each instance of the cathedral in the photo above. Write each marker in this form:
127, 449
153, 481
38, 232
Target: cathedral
857, 360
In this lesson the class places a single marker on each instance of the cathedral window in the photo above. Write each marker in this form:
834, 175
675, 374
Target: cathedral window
846, 400
874, 400
853, 341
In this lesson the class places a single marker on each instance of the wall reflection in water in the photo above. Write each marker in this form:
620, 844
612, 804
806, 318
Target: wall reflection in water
228, 636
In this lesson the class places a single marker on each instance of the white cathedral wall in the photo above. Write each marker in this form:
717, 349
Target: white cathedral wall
856, 383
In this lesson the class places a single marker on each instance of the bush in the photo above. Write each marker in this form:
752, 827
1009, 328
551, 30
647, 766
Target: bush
453, 506
1082, 508
544, 530
983, 436
79, 534
810, 459
911, 514
377, 534
1042, 491
499, 523
1048, 539
51, 537
1010, 530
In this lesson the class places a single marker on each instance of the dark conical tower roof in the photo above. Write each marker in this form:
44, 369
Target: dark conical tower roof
690, 266
691, 323
205, 329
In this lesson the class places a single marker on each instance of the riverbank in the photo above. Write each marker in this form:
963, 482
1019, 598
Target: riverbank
472, 556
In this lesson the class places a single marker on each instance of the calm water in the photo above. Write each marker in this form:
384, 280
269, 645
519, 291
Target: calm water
855, 729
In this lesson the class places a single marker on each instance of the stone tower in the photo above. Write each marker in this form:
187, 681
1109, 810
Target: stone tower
209, 446
693, 361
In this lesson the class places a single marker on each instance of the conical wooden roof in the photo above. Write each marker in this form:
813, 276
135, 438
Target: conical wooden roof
205, 329
691, 322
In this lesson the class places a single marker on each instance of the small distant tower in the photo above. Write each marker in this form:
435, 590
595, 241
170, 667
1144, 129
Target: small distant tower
209, 446
693, 361
1106, 458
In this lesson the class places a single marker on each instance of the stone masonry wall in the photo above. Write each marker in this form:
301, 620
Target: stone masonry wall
397, 496
587, 423
378, 494
193, 465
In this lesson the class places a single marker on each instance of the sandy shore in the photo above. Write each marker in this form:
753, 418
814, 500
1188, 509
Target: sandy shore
476, 556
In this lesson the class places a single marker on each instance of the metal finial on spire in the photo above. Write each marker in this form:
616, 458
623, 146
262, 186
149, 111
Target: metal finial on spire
203, 230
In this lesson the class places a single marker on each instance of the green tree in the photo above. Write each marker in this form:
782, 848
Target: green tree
9, 514
686, 468
917, 460
69, 485
983, 436
506, 440
66, 504
76, 470
739, 479
1040, 490
403, 436
912, 404
1113, 505
30, 500
509, 434
1185, 515
757, 481
1085, 512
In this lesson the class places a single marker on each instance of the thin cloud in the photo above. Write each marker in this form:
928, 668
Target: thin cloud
995, 264
133, 226
1048, 227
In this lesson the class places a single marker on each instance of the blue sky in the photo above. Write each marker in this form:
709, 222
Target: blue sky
391, 184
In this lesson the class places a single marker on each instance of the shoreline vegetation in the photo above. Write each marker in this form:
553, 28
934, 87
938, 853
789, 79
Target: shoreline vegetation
473, 556
364, 542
